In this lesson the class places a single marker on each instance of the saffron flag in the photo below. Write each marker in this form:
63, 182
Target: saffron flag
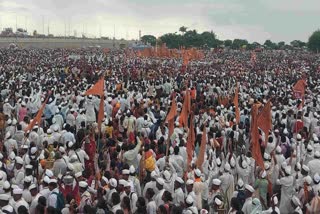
299, 89
200, 158
96, 89
190, 140
236, 104
170, 117
37, 119
183, 119
264, 119
256, 151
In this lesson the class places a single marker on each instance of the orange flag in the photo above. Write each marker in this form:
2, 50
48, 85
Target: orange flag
299, 88
236, 104
101, 112
264, 119
190, 140
256, 152
170, 117
183, 119
202, 148
37, 119
96, 89
299, 91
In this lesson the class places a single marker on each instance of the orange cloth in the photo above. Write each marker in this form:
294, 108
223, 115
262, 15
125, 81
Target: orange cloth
256, 152
96, 89
190, 140
264, 119
37, 119
183, 119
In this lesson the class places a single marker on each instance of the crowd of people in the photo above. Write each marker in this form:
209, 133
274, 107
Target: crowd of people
67, 163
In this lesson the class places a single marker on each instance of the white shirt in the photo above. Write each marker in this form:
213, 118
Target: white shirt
52, 199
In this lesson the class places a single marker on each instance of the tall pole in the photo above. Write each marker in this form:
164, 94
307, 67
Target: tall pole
43, 24
16, 22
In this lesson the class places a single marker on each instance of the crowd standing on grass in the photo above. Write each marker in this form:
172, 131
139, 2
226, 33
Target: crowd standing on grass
136, 161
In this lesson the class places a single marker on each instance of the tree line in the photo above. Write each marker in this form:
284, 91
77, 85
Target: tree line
206, 40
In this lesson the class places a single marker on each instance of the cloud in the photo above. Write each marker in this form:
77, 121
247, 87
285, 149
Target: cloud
253, 20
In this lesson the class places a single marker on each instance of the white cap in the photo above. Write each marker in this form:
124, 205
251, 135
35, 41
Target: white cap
305, 168
309, 148
29, 166
227, 167
49, 131
19, 160
266, 156
308, 180
216, 182
275, 200
125, 172
105, 179
317, 154
5, 197
278, 149
217, 201
83, 184
244, 164
49, 173
33, 150
32, 186
6, 185
179, 180
53, 181
316, 177
249, 188
299, 137
7, 208
160, 181
78, 174
189, 199
288, 170
166, 174
122, 182
154, 174
70, 144
61, 149
263, 174
132, 169
17, 191
46, 179
24, 146
189, 182
240, 183
197, 172
27, 179
113, 182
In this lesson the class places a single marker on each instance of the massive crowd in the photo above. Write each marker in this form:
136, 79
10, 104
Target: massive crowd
130, 164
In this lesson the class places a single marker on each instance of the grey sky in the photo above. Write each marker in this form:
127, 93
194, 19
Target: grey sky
255, 20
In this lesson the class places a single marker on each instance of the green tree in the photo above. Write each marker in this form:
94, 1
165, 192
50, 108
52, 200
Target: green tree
172, 40
281, 44
149, 39
183, 29
297, 44
227, 43
239, 43
271, 45
314, 41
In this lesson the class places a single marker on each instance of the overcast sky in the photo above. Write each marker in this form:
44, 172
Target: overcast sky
254, 20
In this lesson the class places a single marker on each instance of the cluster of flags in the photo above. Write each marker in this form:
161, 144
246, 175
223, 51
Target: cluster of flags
262, 119
186, 55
